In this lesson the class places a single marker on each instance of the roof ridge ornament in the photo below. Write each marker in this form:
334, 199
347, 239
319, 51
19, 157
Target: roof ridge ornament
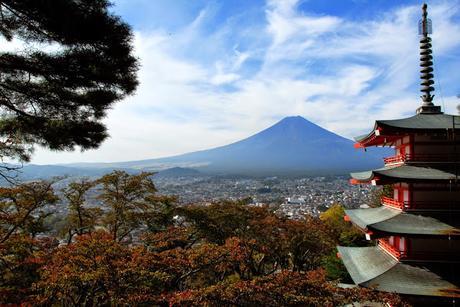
426, 65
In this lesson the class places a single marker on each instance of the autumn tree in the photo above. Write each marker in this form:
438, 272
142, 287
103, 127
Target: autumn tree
21, 258
98, 271
274, 242
227, 253
261, 258
81, 218
221, 220
284, 288
76, 62
344, 232
162, 212
132, 202
170, 238
23, 208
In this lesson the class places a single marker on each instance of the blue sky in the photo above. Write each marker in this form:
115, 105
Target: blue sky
214, 72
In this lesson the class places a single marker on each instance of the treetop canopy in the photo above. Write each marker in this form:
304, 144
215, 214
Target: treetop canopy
56, 97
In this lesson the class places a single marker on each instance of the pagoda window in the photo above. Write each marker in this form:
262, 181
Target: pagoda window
402, 244
406, 198
391, 240
401, 192
399, 243
403, 147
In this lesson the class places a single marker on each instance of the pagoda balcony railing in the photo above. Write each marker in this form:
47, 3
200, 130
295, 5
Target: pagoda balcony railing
386, 246
421, 158
390, 202
428, 205
398, 159
410, 255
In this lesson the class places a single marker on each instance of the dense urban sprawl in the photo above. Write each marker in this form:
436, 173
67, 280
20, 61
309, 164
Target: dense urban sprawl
293, 196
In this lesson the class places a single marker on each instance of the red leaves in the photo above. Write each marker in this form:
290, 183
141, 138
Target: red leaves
285, 288
171, 238
21, 257
95, 269
223, 254
21, 207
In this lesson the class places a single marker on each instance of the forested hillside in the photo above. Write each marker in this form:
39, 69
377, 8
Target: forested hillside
138, 247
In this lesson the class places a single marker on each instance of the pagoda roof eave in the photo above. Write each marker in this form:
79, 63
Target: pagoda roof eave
365, 217
404, 172
363, 177
417, 122
361, 137
388, 220
365, 263
423, 122
364, 139
373, 267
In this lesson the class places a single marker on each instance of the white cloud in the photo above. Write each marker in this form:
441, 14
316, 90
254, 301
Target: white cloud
221, 78
341, 74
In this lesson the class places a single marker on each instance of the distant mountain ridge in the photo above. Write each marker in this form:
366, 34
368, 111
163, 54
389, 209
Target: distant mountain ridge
293, 146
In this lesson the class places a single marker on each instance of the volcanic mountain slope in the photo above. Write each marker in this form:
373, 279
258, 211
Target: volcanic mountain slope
293, 146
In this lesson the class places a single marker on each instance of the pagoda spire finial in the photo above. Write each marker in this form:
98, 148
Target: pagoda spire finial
426, 65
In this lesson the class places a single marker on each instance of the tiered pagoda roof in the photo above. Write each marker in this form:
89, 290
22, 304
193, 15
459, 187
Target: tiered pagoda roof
373, 267
403, 172
394, 221
386, 131
418, 227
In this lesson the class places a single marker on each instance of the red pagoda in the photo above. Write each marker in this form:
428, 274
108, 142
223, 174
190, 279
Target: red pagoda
417, 230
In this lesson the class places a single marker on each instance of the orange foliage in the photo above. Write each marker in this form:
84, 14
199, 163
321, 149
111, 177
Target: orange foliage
227, 253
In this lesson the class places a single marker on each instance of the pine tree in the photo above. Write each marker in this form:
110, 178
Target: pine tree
76, 62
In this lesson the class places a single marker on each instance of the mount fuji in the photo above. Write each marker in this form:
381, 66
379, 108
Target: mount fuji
293, 146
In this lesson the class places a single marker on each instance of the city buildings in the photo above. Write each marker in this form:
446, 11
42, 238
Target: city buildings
309, 195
